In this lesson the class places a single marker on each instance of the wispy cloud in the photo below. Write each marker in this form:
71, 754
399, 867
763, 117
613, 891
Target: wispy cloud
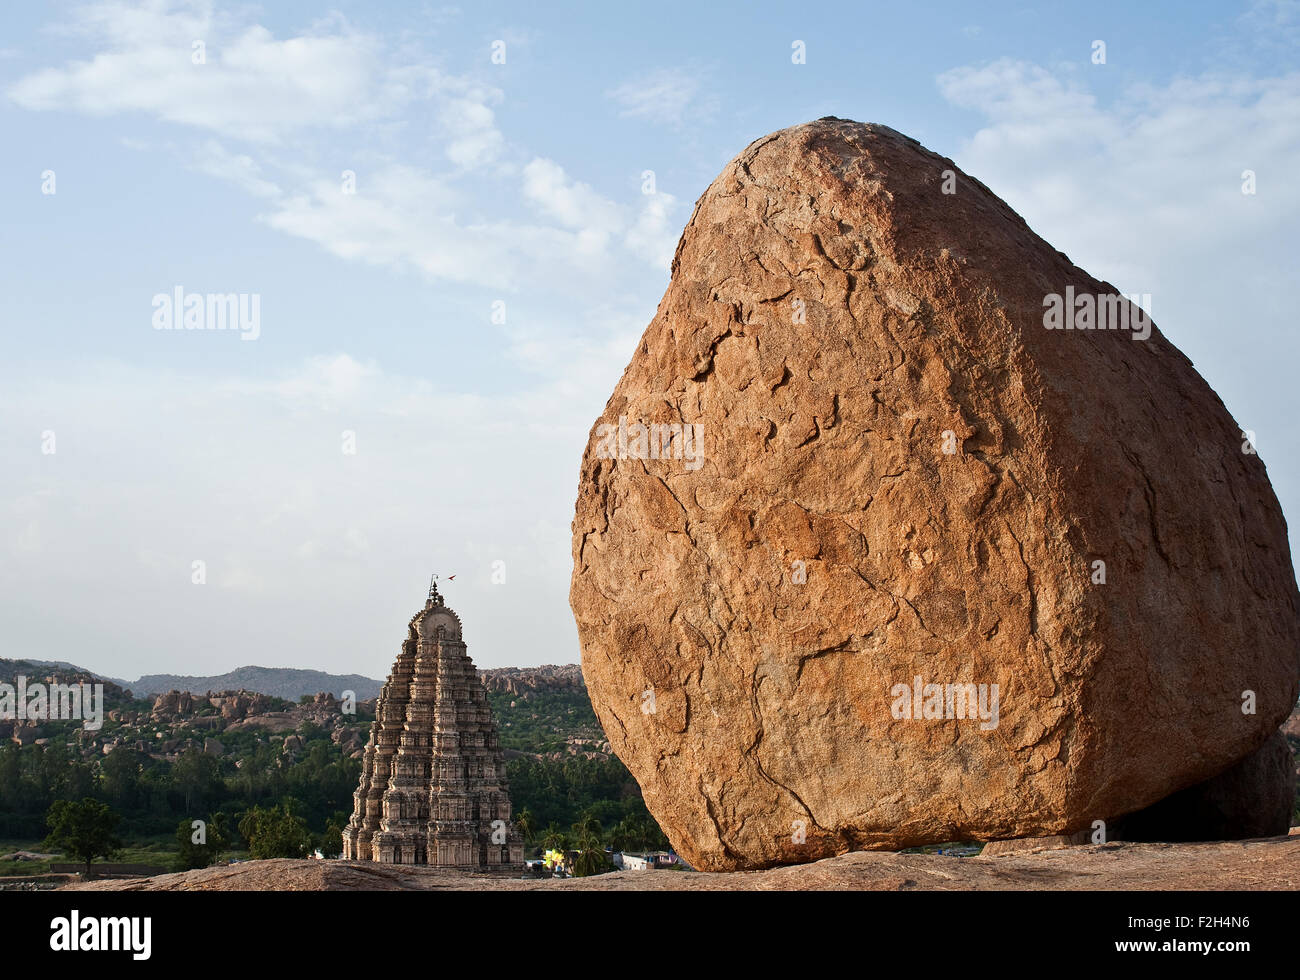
1078, 170
571, 203
183, 64
406, 218
671, 96
213, 159
257, 90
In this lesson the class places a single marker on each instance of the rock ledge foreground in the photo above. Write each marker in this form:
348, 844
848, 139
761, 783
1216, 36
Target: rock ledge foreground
1270, 864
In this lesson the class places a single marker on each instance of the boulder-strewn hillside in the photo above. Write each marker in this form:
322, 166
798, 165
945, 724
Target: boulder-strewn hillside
57, 672
542, 712
518, 680
25, 731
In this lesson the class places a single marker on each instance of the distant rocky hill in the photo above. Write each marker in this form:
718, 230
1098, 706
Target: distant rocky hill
55, 671
290, 683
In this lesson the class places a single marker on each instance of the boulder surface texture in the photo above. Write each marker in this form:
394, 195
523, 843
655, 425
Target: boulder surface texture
871, 551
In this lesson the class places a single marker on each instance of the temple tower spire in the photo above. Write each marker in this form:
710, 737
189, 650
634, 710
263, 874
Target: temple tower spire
433, 786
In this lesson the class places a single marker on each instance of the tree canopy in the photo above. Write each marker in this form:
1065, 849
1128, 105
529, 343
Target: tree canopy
83, 830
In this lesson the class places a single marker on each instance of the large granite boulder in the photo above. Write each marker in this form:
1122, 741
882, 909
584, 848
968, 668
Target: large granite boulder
173, 705
894, 473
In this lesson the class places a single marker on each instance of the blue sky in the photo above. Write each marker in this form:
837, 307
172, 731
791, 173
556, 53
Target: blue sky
518, 183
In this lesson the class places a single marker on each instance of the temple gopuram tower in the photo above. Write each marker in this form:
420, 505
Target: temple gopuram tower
433, 782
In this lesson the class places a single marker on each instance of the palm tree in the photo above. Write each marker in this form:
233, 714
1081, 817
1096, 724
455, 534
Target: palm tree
621, 837
587, 826
527, 824
650, 834
633, 834
554, 839
592, 859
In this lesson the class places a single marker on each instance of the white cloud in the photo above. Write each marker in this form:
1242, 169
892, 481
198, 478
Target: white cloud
243, 171
471, 123
1163, 162
666, 95
407, 219
649, 233
1271, 25
572, 203
655, 233
253, 86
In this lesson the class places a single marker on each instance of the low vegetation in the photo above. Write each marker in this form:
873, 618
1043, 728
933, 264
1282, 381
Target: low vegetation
256, 799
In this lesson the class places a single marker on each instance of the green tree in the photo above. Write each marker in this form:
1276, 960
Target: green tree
649, 834
331, 842
123, 772
11, 781
587, 826
591, 859
634, 833
275, 832
52, 771
84, 830
220, 831
624, 835
203, 845
310, 730
198, 777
